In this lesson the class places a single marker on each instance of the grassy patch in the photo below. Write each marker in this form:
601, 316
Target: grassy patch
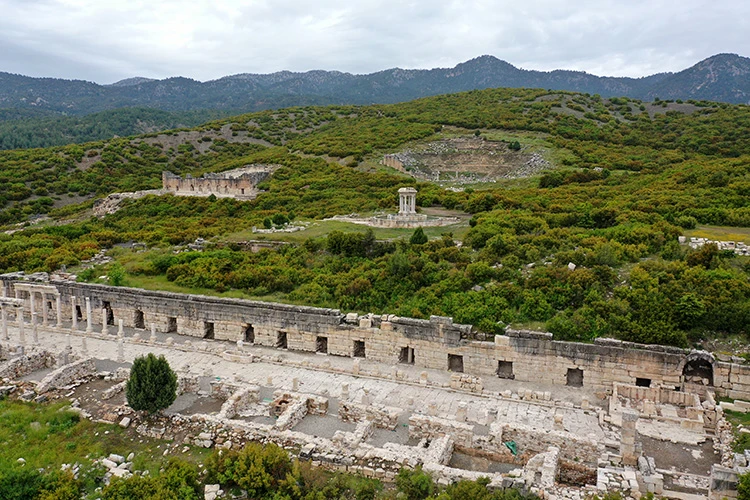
320, 229
722, 233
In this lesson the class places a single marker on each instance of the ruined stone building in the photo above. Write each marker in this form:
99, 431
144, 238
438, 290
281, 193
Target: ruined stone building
241, 183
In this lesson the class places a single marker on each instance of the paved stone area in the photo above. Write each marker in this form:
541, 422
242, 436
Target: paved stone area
316, 379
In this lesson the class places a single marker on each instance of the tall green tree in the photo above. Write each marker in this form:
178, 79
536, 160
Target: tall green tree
152, 385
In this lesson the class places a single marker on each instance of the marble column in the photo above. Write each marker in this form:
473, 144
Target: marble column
120, 329
74, 314
21, 328
45, 310
34, 329
58, 307
104, 322
32, 303
89, 323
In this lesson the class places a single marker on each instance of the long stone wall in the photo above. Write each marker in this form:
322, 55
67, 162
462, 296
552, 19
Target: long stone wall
437, 343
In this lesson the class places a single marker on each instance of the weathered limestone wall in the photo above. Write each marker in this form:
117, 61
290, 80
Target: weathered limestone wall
437, 343
239, 183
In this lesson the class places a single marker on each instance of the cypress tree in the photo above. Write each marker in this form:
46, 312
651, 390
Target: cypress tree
152, 385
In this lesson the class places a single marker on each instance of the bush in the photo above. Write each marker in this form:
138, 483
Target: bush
152, 385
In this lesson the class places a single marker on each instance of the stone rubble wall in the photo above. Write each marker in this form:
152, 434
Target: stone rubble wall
425, 426
463, 382
66, 374
239, 401
21, 366
187, 384
529, 439
293, 414
657, 395
383, 417
114, 390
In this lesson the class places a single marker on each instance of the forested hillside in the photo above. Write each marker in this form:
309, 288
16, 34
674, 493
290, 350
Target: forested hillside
632, 178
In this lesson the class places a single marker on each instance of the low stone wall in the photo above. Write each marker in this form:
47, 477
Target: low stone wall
239, 401
657, 395
383, 417
22, 365
66, 374
465, 382
529, 439
425, 426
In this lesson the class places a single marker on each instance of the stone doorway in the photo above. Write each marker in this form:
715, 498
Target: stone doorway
698, 371
110, 314
208, 330
359, 349
505, 370
138, 320
321, 345
406, 356
281, 340
574, 377
249, 334
171, 325
455, 363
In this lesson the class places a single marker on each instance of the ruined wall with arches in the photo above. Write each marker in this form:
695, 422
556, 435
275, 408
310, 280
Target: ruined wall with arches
241, 183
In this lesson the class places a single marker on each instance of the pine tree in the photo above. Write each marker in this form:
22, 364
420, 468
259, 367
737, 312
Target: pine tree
418, 238
152, 385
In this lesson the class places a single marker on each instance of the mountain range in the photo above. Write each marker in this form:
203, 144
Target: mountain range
722, 77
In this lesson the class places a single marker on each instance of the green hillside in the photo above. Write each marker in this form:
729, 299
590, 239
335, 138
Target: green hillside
624, 179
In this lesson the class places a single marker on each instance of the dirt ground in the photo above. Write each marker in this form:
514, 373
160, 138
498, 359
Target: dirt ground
694, 460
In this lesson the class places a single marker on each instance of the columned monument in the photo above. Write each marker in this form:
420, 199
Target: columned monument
407, 201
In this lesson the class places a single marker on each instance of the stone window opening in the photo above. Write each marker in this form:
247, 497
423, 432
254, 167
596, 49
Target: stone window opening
249, 334
359, 349
642, 382
208, 330
505, 370
574, 377
79, 313
406, 356
242, 190
281, 340
455, 363
321, 345
172, 325
110, 314
138, 321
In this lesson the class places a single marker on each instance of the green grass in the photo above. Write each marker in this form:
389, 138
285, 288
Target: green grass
49, 435
722, 233
322, 228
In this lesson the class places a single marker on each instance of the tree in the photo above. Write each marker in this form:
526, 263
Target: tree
116, 274
743, 487
152, 385
418, 238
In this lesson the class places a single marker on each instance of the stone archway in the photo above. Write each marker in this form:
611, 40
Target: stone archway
698, 368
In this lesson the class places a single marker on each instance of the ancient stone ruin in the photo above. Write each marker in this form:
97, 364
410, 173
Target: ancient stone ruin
240, 183
407, 216
374, 393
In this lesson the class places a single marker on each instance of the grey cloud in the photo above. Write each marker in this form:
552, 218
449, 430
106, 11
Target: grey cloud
207, 39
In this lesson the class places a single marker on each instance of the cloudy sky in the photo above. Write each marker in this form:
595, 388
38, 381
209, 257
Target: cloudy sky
107, 40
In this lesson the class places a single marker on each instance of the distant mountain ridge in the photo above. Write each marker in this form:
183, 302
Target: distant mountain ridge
723, 77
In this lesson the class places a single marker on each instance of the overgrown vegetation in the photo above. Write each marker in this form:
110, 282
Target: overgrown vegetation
631, 181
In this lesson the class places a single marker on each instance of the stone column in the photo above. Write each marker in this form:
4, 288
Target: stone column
153, 333
89, 323
120, 350
627, 445
84, 347
34, 329
32, 304
58, 308
104, 322
4, 318
74, 314
45, 310
21, 329
120, 329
